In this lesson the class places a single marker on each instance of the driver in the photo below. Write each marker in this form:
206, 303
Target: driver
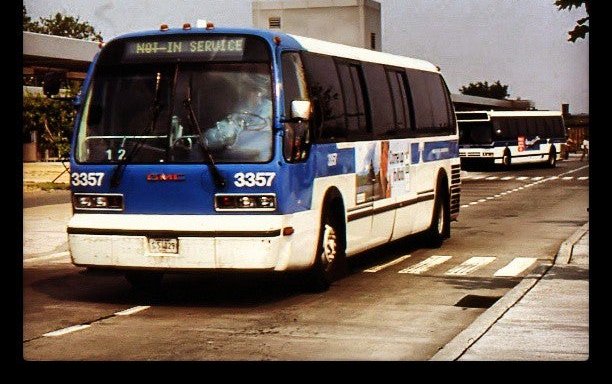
254, 113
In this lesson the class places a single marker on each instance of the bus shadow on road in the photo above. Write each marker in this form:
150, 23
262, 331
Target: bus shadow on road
206, 289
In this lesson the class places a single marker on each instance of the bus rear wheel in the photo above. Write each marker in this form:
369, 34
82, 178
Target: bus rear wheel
439, 229
330, 259
552, 158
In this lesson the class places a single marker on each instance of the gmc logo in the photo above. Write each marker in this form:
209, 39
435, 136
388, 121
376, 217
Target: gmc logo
165, 177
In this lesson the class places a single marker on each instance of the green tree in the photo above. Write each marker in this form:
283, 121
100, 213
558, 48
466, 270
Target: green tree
61, 25
494, 91
582, 28
52, 119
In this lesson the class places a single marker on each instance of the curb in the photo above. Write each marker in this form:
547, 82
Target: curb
565, 251
454, 349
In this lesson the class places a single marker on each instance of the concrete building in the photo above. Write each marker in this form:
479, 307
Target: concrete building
46, 53
351, 22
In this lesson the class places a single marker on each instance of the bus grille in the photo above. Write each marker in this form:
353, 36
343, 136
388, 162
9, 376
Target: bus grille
455, 188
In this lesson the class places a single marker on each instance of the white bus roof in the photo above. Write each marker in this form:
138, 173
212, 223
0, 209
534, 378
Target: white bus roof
511, 113
348, 52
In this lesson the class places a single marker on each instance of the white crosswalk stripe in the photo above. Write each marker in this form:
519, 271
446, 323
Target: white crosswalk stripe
516, 266
539, 179
383, 266
425, 265
470, 265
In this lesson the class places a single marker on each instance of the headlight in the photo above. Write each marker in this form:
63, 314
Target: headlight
245, 202
97, 202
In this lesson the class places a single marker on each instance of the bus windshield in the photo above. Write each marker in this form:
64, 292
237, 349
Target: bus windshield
141, 113
475, 132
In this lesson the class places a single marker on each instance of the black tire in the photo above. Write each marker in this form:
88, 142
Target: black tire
330, 259
439, 229
552, 158
145, 281
507, 159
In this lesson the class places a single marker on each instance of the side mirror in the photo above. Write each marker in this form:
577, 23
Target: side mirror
301, 109
51, 83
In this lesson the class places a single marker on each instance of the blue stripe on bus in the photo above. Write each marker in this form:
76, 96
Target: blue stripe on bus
440, 150
331, 161
414, 150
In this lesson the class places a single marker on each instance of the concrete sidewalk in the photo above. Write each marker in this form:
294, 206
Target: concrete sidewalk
545, 317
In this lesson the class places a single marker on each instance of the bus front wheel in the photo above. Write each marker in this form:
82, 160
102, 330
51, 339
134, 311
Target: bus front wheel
506, 159
330, 259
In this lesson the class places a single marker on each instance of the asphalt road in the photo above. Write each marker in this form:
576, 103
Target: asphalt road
402, 301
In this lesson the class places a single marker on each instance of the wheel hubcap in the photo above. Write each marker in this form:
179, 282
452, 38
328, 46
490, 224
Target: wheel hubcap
329, 246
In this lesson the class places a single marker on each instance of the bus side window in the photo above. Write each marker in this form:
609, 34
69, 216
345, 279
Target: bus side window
432, 114
381, 104
297, 135
397, 82
352, 90
326, 95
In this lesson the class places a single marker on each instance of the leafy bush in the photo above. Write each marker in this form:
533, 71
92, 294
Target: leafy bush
58, 116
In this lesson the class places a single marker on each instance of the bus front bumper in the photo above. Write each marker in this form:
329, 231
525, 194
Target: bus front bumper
186, 242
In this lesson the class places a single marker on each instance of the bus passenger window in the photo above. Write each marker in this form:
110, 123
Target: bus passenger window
326, 94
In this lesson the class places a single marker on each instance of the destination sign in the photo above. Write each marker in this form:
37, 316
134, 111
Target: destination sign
222, 48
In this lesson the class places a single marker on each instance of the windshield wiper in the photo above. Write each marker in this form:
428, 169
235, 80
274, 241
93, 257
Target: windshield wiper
217, 178
156, 107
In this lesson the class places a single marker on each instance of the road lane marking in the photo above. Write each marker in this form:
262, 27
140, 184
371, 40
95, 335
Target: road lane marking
425, 265
507, 178
383, 266
490, 198
522, 178
473, 203
477, 177
583, 178
553, 178
573, 170
133, 310
470, 265
492, 178
516, 266
64, 331
48, 257
464, 206
537, 178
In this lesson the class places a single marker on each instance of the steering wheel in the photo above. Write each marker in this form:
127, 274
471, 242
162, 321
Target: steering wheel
248, 121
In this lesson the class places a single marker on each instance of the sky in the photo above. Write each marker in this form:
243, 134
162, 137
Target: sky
521, 43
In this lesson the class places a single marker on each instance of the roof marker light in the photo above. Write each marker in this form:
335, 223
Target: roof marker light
186, 26
277, 40
163, 27
209, 25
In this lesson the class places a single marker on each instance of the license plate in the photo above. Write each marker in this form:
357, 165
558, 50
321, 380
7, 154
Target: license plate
163, 245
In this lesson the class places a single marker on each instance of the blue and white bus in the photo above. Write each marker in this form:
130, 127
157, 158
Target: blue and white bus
242, 149
511, 137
